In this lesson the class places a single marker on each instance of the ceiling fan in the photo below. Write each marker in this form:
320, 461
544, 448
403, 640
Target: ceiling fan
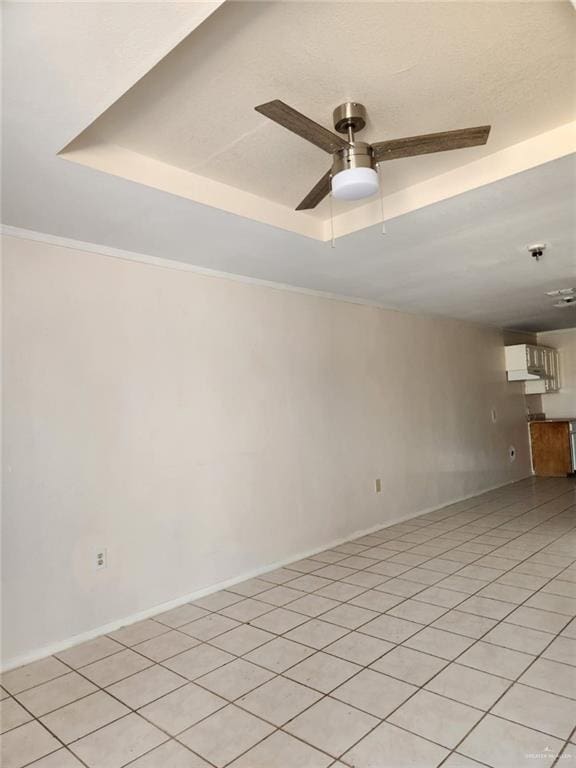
353, 175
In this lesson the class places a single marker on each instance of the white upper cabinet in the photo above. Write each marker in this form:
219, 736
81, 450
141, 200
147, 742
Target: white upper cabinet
536, 365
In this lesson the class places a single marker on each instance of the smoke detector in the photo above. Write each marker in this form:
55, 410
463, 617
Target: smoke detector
536, 250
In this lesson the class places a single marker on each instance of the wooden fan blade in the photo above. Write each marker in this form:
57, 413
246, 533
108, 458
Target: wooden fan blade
430, 142
300, 124
316, 194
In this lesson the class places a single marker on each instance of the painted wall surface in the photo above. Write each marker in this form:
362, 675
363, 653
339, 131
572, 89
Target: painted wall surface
202, 428
563, 403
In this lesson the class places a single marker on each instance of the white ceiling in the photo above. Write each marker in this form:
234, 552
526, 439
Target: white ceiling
418, 69
65, 63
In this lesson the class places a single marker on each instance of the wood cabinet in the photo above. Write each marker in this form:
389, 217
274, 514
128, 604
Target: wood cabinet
551, 453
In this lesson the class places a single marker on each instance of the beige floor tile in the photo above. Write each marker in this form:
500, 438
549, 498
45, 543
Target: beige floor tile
331, 726
359, 648
396, 585
358, 562
505, 593
279, 576
447, 598
460, 761
330, 556
280, 595
250, 588
84, 716
279, 654
524, 580
339, 591
38, 672
560, 587
502, 744
322, 672
409, 665
118, 743
414, 610
235, 679
314, 605
278, 700
518, 638
316, 633
225, 735
305, 566
282, 751
496, 660
279, 621
178, 616
386, 743
365, 579
114, 668
198, 661
62, 758
217, 600
373, 692
563, 649
137, 633
537, 619
12, 715
336, 572
390, 628
89, 652
242, 639
349, 616
48, 696
182, 708
423, 576
467, 624
437, 642
554, 603
538, 709
171, 754
144, 687
209, 627
436, 718
376, 601
462, 584
469, 686
26, 743
166, 645
486, 606
246, 610
309, 583
551, 676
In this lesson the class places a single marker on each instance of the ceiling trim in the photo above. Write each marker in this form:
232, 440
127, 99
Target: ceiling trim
181, 266
123, 163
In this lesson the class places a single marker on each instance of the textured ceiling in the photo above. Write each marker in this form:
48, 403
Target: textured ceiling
418, 68
465, 257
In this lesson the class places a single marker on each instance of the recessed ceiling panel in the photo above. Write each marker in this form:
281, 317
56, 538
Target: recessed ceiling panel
417, 67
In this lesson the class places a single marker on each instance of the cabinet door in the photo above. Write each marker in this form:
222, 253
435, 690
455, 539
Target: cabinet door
550, 443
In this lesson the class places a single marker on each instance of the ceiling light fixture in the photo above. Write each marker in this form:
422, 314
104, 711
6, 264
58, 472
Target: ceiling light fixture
561, 292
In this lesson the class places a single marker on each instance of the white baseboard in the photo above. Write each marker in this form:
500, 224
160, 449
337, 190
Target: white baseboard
63, 645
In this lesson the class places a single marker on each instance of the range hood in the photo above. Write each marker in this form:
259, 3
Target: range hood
525, 362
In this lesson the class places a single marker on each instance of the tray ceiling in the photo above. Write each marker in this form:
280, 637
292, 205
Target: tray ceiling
189, 126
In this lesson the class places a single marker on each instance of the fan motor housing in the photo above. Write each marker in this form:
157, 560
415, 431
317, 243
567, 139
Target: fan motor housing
358, 155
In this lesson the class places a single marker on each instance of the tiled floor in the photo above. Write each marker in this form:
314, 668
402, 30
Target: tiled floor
446, 640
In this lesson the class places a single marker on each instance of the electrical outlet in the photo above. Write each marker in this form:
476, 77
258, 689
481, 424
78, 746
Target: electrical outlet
378, 485
511, 454
101, 558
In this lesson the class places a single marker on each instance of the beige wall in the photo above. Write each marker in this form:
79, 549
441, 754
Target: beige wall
202, 429
563, 403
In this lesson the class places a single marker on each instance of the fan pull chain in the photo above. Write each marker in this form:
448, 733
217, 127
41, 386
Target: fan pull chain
381, 199
332, 241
